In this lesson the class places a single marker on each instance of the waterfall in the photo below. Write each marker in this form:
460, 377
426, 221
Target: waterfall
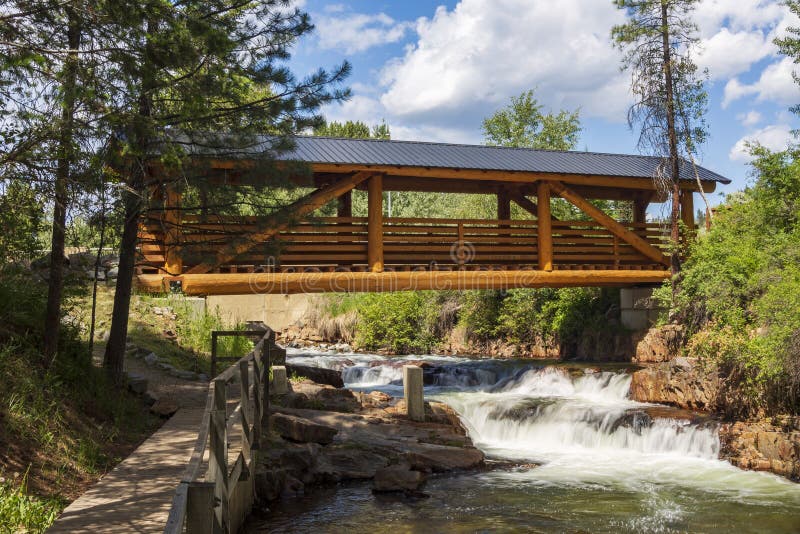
547, 410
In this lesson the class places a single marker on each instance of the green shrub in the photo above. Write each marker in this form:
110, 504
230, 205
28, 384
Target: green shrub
21, 512
401, 321
739, 292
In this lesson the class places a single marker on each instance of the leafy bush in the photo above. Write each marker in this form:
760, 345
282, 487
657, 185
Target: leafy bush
740, 289
401, 321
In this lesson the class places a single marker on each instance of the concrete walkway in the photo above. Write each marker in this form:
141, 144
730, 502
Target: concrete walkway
137, 494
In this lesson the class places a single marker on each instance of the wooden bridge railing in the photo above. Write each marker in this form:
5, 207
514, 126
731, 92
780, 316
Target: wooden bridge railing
218, 500
341, 243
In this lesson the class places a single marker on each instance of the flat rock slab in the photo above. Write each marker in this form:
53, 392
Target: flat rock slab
397, 478
302, 430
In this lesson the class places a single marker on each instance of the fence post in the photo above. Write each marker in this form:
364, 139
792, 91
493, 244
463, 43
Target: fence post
280, 384
200, 508
218, 454
258, 392
266, 361
213, 355
244, 403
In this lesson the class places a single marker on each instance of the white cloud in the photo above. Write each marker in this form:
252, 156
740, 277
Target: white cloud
474, 57
774, 137
711, 15
775, 84
751, 118
728, 53
358, 32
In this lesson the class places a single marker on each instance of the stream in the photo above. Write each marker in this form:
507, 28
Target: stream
603, 463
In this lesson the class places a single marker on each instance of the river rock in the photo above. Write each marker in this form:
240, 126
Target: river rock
347, 462
302, 430
440, 458
317, 374
397, 478
324, 397
137, 383
151, 359
763, 445
659, 344
164, 408
669, 383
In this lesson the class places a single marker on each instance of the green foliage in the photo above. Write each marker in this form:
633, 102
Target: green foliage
22, 512
401, 321
740, 290
658, 40
22, 221
789, 45
522, 124
354, 130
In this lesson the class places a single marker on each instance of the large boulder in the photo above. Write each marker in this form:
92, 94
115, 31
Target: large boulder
319, 375
659, 344
397, 478
440, 458
677, 383
302, 430
763, 445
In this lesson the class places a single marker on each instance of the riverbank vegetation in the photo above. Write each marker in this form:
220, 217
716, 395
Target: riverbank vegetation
739, 292
552, 321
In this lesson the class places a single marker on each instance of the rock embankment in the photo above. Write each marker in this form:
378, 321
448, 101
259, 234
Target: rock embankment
680, 382
772, 445
322, 435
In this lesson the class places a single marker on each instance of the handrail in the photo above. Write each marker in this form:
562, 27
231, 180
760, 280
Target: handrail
214, 503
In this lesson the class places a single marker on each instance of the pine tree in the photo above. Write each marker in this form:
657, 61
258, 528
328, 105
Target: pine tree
207, 73
670, 98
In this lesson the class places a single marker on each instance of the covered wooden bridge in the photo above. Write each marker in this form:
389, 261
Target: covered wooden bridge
379, 253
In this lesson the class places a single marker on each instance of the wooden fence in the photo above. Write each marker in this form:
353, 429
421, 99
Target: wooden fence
219, 499
341, 243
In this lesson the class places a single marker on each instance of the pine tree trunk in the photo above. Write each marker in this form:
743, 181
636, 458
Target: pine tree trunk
674, 162
114, 357
55, 286
134, 199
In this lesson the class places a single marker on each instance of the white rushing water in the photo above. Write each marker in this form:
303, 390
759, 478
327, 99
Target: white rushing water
581, 428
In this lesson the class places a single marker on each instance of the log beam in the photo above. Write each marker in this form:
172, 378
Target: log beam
545, 228
687, 209
286, 283
375, 224
173, 263
645, 248
283, 219
345, 206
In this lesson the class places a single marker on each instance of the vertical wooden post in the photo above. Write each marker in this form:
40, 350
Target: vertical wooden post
345, 206
280, 383
218, 453
640, 215
200, 508
173, 263
687, 209
375, 224
461, 253
245, 413
413, 392
545, 227
503, 206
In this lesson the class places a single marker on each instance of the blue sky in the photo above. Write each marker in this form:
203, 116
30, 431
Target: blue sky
434, 70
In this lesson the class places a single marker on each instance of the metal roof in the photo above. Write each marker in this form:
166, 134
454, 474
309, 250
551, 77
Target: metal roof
477, 157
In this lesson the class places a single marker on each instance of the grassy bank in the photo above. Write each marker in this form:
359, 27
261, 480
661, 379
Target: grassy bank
63, 424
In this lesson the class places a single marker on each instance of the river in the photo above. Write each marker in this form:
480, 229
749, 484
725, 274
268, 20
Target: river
590, 459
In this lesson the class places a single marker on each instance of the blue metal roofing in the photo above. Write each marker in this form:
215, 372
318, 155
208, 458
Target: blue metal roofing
451, 156
481, 157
